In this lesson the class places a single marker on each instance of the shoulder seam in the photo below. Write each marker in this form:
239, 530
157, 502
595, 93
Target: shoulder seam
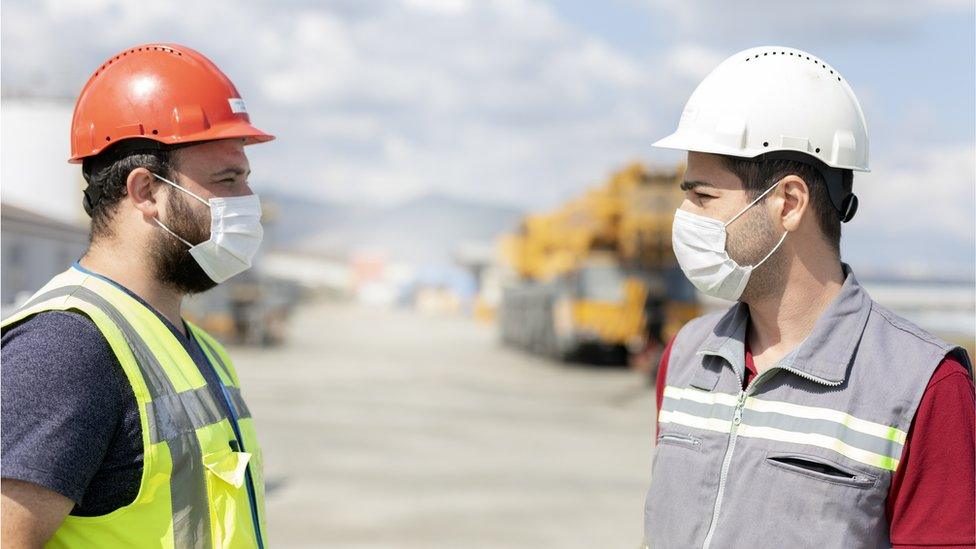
924, 336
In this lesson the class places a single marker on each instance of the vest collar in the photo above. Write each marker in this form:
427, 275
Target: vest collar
172, 328
824, 355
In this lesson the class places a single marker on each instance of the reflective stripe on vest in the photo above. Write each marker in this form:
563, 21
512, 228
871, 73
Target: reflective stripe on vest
869, 443
172, 418
804, 454
168, 422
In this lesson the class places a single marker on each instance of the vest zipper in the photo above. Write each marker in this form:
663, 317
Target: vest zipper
809, 377
727, 460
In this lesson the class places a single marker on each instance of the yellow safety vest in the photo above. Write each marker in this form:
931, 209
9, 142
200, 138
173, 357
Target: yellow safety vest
202, 482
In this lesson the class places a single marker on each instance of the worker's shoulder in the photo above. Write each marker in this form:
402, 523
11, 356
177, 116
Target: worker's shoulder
54, 326
58, 348
53, 337
896, 327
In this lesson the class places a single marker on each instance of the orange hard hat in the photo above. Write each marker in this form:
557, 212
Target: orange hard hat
164, 92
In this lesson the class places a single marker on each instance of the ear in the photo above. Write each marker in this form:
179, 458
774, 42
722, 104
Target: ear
795, 201
143, 191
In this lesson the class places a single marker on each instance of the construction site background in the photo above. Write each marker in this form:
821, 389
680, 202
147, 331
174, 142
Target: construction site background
449, 335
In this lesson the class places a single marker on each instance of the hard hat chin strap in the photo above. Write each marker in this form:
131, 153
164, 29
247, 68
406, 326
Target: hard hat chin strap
839, 181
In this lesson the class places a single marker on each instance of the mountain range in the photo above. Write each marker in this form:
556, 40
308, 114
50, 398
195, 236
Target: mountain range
427, 229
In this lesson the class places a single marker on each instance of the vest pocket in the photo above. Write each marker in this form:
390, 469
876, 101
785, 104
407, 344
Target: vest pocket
821, 469
680, 439
229, 508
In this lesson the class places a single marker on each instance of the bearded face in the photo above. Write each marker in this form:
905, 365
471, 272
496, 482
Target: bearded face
749, 239
172, 263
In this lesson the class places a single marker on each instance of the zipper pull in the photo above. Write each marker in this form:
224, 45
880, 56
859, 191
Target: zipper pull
737, 416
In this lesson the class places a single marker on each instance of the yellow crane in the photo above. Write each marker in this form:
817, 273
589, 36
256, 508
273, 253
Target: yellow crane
598, 272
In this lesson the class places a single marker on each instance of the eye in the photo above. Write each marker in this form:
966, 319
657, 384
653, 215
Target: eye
703, 196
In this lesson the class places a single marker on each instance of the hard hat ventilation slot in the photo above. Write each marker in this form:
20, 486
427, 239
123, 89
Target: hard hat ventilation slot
800, 55
134, 50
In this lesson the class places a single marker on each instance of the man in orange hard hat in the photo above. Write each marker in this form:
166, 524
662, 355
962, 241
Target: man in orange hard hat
123, 424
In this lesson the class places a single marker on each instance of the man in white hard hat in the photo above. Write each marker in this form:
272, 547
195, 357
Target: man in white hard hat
806, 415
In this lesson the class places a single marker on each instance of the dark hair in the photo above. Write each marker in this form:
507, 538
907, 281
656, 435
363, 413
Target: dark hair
107, 174
759, 175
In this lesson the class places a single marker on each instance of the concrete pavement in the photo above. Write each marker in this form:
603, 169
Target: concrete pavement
391, 429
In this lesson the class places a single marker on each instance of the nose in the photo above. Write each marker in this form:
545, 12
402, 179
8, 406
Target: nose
689, 205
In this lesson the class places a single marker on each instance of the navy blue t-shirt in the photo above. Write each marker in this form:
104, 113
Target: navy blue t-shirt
70, 422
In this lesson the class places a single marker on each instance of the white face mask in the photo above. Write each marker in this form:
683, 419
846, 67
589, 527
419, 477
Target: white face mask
699, 245
235, 234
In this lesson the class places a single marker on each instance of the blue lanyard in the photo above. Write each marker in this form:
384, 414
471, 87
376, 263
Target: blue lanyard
239, 440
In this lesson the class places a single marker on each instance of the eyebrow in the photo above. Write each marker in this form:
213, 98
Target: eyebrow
689, 185
231, 171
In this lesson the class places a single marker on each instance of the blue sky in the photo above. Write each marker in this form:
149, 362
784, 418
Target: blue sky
919, 60
528, 102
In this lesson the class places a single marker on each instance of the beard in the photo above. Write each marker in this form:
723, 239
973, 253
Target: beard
749, 245
173, 265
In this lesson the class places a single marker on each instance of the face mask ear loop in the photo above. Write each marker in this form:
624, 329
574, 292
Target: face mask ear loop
165, 228
187, 191
771, 252
751, 204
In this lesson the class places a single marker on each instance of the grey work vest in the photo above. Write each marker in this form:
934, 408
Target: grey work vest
804, 456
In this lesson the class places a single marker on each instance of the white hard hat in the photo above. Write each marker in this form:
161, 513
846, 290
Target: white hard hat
770, 99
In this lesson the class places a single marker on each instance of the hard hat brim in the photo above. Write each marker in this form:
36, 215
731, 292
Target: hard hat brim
236, 130
683, 142
690, 142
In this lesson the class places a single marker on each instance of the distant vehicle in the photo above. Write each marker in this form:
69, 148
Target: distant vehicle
598, 274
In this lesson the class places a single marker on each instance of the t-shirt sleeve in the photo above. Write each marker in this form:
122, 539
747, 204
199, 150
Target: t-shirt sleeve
61, 401
933, 492
662, 376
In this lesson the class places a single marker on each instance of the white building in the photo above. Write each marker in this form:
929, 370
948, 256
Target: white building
43, 227
35, 247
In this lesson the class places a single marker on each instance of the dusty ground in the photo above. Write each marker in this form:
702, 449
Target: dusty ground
390, 429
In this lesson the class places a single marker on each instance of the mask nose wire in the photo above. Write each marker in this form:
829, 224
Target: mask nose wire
744, 210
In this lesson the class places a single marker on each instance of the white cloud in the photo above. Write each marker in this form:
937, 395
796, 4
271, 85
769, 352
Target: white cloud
495, 99
798, 22
379, 100
440, 6
925, 192
692, 61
